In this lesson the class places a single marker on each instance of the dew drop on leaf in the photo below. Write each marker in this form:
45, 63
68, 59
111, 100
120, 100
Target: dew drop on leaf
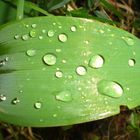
15, 101
50, 33
31, 52
81, 70
129, 41
40, 37
110, 88
38, 105
49, 59
32, 33
96, 61
2, 97
25, 37
16, 37
63, 37
34, 25
131, 62
64, 96
59, 74
73, 28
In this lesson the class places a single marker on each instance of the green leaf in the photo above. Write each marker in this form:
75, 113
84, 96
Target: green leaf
57, 71
55, 4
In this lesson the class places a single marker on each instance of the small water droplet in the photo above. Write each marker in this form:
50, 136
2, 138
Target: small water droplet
38, 105
54, 23
33, 33
43, 31
110, 88
58, 50
25, 37
63, 61
50, 33
131, 62
59, 74
27, 26
40, 37
49, 59
63, 37
34, 25
16, 37
2, 63
31, 52
15, 101
6, 59
21, 91
81, 70
96, 61
2, 97
86, 42
128, 40
73, 28
64, 96
54, 115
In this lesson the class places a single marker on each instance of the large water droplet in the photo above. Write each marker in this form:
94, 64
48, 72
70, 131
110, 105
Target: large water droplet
32, 33
81, 70
38, 105
73, 28
25, 37
96, 61
110, 88
64, 96
2, 97
31, 52
50, 33
59, 74
128, 40
15, 101
49, 59
63, 37
131, 62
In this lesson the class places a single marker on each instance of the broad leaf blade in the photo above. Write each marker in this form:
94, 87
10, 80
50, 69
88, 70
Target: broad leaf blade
57, 71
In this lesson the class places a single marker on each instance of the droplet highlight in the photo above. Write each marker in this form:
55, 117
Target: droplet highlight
25, 37
73, 28
32, 33
110, 88
63, 37
96, 61
59, 74
2, 97
50, 33
49, 59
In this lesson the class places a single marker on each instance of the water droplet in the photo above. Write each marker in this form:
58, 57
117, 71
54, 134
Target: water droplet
64, 96
38, 105
15, 101
2, 97
6, 59
25, 37
86, 42
81, 70
110, 88
58, 50
59, 74
64, 61
16, 37
131, 62
54, 23
33, 25
63, 37
40, 37
96, 61
32, 33
27, 26
50, 33
54, 115
21, 91
31, 52
128, 40
49, 59
73, 28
